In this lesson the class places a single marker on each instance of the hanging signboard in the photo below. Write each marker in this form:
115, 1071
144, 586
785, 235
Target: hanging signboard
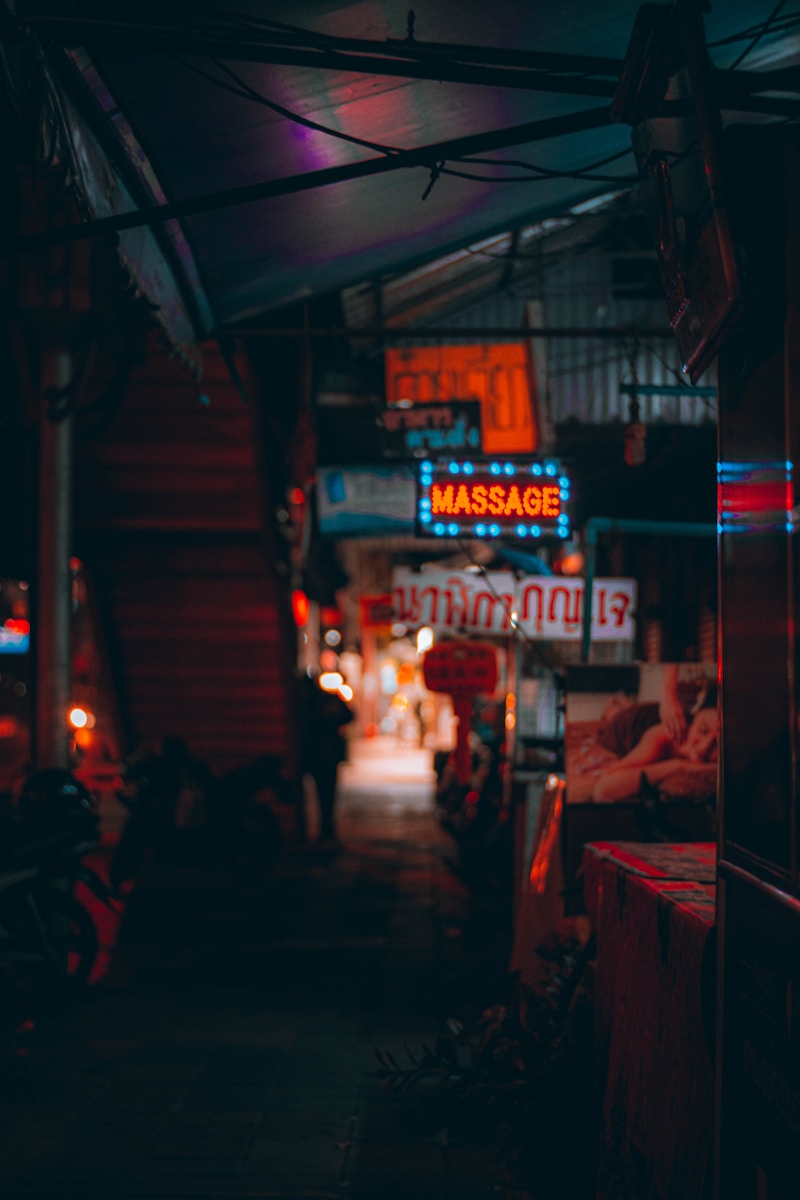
543, 608
376, 612
353, 501
465, 498
498, 376
462, 669
421, 429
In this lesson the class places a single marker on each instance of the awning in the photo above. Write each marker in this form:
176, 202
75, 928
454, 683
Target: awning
291, 149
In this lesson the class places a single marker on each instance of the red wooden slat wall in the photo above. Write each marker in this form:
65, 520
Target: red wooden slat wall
169, 510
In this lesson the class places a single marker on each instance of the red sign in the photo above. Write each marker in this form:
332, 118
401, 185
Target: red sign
376, 612
460, 668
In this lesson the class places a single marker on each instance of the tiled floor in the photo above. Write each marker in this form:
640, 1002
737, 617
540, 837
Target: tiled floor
229, 1052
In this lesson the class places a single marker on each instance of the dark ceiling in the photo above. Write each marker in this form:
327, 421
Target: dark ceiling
304, 146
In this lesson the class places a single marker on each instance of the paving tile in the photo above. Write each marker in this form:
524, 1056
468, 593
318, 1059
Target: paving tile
184, 1137
232, 1056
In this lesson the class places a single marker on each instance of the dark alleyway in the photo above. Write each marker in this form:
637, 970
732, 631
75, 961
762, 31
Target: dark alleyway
229, 1052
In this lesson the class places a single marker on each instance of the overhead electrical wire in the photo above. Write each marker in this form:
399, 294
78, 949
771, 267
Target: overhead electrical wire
759, 36
513, 162
240, 87
407, 46
544, 176
768, 26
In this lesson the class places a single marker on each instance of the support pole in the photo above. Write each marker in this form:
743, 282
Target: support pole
53, 586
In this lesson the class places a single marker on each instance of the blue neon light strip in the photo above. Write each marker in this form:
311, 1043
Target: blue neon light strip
744, 520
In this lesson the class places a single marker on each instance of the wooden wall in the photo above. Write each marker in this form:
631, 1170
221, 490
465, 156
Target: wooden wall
170, 521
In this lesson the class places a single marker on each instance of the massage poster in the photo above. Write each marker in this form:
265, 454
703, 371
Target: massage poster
648, 729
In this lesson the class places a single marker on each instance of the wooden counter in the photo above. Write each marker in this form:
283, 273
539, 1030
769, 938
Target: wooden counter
653, 908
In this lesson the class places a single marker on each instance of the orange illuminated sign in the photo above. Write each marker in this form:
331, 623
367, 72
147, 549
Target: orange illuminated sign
493, 499
499, 376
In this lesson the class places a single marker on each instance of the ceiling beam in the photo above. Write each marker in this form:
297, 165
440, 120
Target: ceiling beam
537, 71
426, 333
255, 45
425, 156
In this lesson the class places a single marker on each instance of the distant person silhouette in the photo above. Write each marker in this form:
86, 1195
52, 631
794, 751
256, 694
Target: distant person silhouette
323, 717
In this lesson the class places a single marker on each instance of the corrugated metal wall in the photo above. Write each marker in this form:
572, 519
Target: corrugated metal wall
583, 375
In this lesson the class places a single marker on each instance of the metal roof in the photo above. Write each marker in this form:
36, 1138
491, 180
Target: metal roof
295, 147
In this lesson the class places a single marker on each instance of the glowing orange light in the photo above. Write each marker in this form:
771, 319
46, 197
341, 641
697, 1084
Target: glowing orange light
300, 608
549, 836
496, 500
405, 673
570, 564
328, 660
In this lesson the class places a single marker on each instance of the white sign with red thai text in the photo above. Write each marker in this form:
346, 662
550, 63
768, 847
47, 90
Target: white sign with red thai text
542, 607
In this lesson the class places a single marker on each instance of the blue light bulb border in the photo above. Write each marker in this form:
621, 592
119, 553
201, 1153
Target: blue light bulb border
502, 469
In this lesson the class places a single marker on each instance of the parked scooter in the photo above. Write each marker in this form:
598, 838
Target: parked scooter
475, 817
48, 941
181, 810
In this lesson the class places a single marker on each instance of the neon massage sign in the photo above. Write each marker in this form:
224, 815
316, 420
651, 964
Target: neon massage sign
493, 499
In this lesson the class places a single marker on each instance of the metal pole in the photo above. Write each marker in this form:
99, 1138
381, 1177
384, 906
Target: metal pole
475, 333
53, 585
665, 389
590, 534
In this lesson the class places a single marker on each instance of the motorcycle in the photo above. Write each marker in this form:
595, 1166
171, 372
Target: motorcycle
180, 810
48, 940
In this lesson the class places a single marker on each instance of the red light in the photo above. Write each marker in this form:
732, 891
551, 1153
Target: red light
750, 498
472, 797
297, 496
18, 625
570, 564
300, 608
